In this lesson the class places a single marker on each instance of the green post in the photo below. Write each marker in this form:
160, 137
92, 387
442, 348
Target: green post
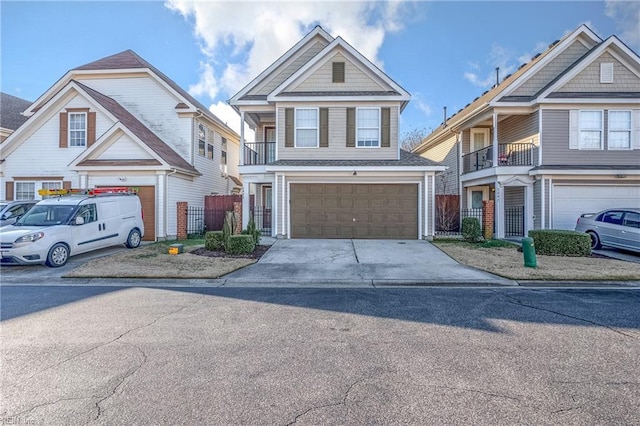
529, 251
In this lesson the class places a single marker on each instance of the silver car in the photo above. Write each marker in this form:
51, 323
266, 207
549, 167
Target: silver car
10, 211
619, 228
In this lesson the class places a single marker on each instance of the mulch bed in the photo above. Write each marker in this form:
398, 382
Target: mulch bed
257, 253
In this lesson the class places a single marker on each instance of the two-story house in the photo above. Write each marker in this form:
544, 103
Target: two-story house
326, 160
119, 121
557, 138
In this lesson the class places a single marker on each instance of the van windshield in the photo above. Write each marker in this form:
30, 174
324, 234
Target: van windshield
46, 215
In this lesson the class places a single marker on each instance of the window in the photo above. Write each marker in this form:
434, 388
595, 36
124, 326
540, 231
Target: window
368, 128
590, 136
201, 139
88, 212
306, 128
25, 190
631, 219
210, 151
619, 130
338, 72
77, 129
223, 156
479, 138
51, 185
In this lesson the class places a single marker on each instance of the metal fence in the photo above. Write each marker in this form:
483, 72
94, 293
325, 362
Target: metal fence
457, 229
262, 217
201, 220
514, 221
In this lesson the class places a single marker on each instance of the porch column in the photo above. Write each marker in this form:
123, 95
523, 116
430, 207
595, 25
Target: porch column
494, 142
246, 200
242, 138
499, 211
528, 209
161, 206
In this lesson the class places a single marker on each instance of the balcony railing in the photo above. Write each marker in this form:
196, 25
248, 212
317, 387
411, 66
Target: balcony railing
509, 154
259, 153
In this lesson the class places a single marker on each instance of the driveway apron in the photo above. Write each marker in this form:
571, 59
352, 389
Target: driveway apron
377, 262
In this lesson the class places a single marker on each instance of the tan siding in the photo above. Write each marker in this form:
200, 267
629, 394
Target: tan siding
286, 70
588, 80
321, 79
518, 128
337, 141
446, 153
555, 149
551, 70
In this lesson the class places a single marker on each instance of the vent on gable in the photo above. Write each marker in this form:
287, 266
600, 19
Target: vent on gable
338, 72
606, 72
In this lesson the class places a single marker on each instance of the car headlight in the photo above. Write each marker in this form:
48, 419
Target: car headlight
29, 238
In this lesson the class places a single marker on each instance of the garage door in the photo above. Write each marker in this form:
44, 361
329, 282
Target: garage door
147, 196
386, 211
569, 201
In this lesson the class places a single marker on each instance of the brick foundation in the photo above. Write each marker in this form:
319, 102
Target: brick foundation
488, 208
237, 210
182, 220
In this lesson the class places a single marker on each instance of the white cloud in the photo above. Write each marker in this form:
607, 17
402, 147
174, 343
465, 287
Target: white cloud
257, 33
627, 16
229, 116
207, 84
499, 57
418, 102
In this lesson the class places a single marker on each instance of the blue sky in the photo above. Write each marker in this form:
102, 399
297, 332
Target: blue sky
444, 53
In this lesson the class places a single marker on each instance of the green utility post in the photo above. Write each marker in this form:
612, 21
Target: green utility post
529, 251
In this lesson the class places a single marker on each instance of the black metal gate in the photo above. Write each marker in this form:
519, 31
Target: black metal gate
514, 221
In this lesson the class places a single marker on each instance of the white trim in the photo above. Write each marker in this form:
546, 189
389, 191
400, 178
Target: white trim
581, 129
433, 204
383, 169
358, 109
592, 172
288, 209
543, 215
421, 189
295, 127
540, 136
630, 147
86, 129
274, 203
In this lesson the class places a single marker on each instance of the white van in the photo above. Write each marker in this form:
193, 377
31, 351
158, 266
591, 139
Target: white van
60, 227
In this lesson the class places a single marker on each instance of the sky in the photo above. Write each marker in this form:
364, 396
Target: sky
443, 52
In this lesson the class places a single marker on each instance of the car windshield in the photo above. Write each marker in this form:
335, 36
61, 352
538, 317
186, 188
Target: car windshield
46, 215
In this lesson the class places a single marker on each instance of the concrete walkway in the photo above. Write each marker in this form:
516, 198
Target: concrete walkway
378, 262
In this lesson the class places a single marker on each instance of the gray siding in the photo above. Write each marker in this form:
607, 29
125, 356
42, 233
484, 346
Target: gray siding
551, 70
514, 196
555, 145
588, 80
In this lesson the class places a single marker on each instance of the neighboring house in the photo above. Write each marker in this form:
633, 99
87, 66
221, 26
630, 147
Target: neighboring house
326, 162
11, 117
119, 121
557, 138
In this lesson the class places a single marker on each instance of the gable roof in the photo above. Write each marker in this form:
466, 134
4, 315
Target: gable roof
130, 60
11, 108
500, 92
139, 130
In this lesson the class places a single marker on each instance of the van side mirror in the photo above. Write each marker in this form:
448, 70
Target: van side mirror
79, 220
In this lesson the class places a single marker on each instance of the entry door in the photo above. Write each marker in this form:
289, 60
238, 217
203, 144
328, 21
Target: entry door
479, 139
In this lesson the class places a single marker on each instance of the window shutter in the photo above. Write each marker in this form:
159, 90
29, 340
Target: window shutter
288, 127
635, 129
324, 127
351, 127
91, 128
64, 122
385, 129
8, 191
338, 72
574, 129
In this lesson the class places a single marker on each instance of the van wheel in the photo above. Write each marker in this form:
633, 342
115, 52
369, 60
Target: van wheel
595, 240
58, 255
133, 240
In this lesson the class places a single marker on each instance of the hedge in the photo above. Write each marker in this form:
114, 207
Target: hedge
214, 240
240, 244
557, 242
471, 229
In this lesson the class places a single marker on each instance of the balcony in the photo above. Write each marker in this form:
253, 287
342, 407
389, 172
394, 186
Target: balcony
259, 153
509, 154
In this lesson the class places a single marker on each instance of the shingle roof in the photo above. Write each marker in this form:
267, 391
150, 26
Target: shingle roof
343, 93
129, 59
407, 159
11, 108
140, 130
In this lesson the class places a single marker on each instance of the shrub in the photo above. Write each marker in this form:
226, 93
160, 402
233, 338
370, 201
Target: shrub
229, 227
214, 240
471, 230
556, 242
240, 244
253, 230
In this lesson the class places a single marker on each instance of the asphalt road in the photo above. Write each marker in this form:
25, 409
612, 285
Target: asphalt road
109, 355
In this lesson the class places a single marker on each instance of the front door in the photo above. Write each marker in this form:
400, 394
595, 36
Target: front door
267, 202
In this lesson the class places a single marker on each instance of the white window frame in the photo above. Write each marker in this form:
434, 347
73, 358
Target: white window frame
629, 131
581, 129
296, 128
71, 131
379, 128
24, 182
202, 141
487, 137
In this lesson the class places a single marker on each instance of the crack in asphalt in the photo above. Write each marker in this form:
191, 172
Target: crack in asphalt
335, 404
44, 404
355, 253
515, 301
496, 395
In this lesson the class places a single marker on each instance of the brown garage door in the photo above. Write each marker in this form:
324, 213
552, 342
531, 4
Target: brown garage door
386, 211
147, 196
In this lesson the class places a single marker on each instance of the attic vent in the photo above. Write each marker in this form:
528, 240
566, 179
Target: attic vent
338, 72
606, 72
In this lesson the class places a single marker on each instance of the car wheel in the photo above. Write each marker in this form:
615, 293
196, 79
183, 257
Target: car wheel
133, 240
595, 240
58, 255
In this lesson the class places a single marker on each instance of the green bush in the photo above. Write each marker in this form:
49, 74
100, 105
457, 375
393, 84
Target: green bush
556, 242
240, 244
214, 240
253, 230
471, 229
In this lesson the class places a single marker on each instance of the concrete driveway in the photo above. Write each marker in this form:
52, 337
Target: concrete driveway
374, 262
